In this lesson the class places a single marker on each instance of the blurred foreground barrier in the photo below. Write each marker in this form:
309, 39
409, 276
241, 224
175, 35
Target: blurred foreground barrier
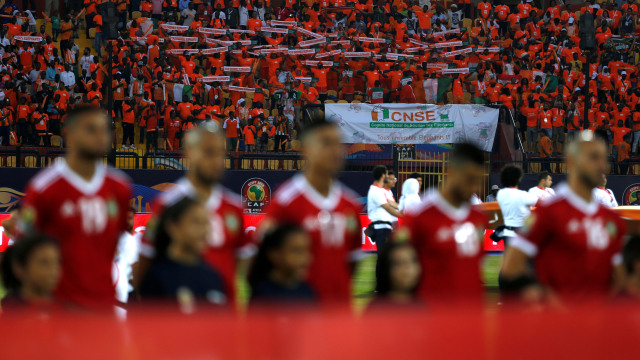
589, 332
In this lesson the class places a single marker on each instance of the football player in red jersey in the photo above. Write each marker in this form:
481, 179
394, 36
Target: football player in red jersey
205, 151
326, 209
575, 240
84, 206
447, 232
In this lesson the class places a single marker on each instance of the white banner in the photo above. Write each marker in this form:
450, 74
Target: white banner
415, 123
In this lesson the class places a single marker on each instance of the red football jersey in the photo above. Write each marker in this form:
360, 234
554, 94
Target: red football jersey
87, 218
227, 240
448, 241
574, 243
333, 224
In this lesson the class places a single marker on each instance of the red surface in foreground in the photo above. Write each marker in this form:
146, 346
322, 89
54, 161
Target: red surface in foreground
585, 333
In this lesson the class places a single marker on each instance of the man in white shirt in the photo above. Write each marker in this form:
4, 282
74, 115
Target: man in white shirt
604, 195
515, 204
543, 190
68, 78
380, 209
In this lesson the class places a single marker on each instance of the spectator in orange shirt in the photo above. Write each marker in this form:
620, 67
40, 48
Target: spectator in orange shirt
530, 112
622, 159
128, 118
42, 125
232, 127
546, 150
249, 134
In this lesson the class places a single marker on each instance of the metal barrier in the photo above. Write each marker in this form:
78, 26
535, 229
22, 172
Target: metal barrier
19, 157
433, 169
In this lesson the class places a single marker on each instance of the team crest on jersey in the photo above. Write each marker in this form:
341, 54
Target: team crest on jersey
231, 223
256, 195
112, 208
28, 215
631, 195
352, 224
612, 229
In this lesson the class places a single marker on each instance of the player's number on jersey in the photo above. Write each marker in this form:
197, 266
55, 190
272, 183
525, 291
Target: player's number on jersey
597, 234
94, 214
216, 232
466, 238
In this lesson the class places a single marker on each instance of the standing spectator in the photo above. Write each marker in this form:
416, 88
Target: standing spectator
249, 135
381, 209
623, 155
546, 152
281, 124
492, 195
6, 120
119, 87
151, 119
410, 195
231, 126
41, 121
128, 119
78, 199
172, 124
515, 204
264, 128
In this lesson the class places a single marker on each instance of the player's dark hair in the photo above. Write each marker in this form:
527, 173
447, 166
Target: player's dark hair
466, 153
383, 267
80, 111
171, 214
631, 253
379, 171
272, 240
510, 176
414, 175
317, 124
543, 175
390, 172
19, 254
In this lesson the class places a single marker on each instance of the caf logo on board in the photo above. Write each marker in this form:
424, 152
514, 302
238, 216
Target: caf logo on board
631, 195
256, 195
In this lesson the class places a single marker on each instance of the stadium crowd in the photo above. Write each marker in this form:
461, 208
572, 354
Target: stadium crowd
253, 66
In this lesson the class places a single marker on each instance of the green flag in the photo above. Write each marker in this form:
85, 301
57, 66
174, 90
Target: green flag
552, 83
187, 92
443, 85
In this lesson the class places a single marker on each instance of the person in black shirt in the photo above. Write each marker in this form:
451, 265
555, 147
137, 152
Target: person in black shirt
179, 272
281, 266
